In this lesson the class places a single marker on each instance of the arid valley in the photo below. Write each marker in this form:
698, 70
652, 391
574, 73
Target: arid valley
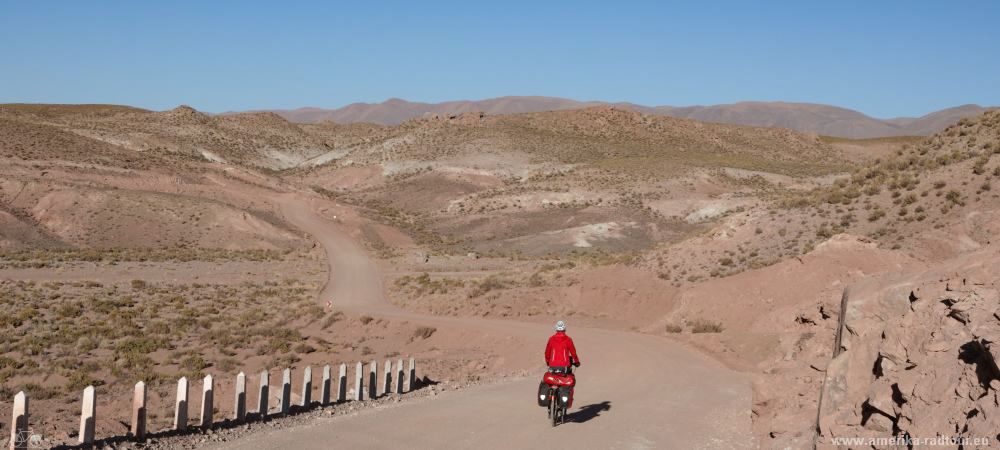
759, 286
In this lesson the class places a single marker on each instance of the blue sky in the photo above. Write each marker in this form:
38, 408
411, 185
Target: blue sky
884, 58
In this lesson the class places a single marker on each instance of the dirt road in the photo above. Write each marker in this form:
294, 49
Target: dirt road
635, 391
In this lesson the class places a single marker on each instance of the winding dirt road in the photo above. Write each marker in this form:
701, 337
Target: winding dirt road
636, 391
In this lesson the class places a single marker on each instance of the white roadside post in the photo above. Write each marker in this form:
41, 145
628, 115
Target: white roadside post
399, 376
324, 397
263, 393
342, 384
181, 405
286, 390
373, 381
358, 376
19, 423
387, 378
307, 386
207, 401
88, 414
240, 400
412, 379
139, 411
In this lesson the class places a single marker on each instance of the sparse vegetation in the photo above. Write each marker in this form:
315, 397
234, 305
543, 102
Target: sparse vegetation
50, 258
424, 332
705, 326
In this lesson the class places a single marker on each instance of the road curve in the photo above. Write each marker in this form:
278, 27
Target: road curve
635, 390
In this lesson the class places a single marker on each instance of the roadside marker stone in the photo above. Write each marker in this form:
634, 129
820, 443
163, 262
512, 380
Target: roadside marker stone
412, 379
387, 378
207, 401
181, 405
307, 386
399, 376
286, 390
373, 381
139, 411
358, 393
19, 423
342, 384
265, 381
240, 406
87, 416
324, 397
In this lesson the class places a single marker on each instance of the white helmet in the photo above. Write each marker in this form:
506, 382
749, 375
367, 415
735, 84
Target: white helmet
560, 326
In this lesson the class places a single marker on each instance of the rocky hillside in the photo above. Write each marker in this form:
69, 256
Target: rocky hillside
257, 139
919, 357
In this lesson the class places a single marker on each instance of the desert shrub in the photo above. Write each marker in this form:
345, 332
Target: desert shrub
304, 348
79, 379
492, 282
705, 326
330, 319
673, 328
193, 365
424, 332
954, 197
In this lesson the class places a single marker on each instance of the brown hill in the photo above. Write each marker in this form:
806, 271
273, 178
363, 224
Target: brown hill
815, 118
38, 141
51, 110
396, 111
937, 121
603, 135
256, 139
822, 119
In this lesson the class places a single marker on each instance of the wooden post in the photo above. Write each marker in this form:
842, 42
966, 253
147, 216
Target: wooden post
240, 406
373, 381
358, 393
307, 386
265, 380
19, 423
286, 390
412, 378
139, 411
839, 339
87, 416
324, 397
207, 400
181, 405
399, 376
838, 342
387, 378
342, 384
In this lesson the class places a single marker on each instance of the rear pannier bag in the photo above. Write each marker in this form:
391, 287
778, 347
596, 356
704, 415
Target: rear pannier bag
543, 394
567, 393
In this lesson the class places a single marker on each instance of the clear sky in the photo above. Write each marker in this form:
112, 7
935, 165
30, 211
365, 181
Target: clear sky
884, 58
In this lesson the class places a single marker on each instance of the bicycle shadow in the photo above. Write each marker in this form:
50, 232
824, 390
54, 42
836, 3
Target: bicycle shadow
588, 412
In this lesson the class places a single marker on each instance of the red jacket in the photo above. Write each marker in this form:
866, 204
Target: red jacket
560, 352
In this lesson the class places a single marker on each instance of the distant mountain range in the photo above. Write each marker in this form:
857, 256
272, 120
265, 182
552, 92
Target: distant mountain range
808, 117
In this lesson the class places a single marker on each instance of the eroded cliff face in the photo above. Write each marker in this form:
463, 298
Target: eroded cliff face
919, 356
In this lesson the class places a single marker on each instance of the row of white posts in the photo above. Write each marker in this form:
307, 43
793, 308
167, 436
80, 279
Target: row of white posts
390, 384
